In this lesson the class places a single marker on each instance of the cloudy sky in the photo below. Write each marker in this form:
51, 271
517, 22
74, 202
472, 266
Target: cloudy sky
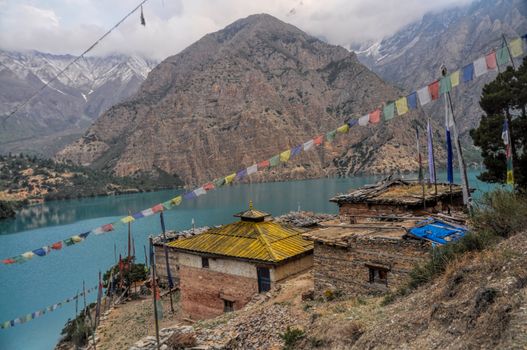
70, 26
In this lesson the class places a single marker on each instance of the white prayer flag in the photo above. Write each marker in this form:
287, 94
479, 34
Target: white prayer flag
424, 95
480, 66
308, 145
364, 120
252, 169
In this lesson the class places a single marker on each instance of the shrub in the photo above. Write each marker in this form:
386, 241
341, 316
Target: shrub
291, 336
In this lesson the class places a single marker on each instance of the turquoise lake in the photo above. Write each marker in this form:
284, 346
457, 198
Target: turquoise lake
41, 282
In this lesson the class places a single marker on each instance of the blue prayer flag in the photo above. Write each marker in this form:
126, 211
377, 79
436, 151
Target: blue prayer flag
296, 150
138, 215
468, 72
352, 122
84, 235
189, 195
412, 100
241, 174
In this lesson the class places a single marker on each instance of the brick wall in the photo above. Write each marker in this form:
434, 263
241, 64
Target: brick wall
346, 270
203, 291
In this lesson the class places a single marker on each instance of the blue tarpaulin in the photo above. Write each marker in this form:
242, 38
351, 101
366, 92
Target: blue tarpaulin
437, 231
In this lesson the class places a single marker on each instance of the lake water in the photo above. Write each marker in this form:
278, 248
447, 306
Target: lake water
41, 282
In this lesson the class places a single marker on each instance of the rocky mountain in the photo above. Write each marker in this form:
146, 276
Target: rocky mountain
241, 95
64, 110
412, 57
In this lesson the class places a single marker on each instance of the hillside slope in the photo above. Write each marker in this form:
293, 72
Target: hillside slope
241, 95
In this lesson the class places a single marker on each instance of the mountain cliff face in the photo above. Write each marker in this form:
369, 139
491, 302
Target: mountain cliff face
413, 56
64, 110
241, 95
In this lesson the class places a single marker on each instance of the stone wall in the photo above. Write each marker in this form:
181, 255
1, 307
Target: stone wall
350, 209
345, 269
161, 267
292, 267
203, 291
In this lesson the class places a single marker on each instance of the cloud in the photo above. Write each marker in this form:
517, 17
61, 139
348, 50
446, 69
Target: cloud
70, 26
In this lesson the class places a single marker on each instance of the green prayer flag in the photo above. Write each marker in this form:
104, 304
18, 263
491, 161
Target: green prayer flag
330, 136
502, 56
445, 85
69, 241
274, 161
219, 182
167, 205
388, 111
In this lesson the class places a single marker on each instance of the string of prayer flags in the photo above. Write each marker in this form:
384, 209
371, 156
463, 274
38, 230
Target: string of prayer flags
424, 96
516, 47
36, 314
388, 111
445, 85
502, 56
468, 72
402, 106
480, 66
375, 116
454, 79
490, 60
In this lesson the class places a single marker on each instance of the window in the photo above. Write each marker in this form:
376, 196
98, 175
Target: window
378, 275
205, 263
228, 306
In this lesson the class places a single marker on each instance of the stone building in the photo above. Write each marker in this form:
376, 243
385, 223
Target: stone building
367, 257
223, 267
399, 197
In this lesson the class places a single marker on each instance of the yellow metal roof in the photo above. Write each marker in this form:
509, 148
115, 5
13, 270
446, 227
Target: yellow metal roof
264, 241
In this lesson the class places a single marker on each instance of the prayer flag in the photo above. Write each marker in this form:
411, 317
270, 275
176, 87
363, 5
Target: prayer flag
40, 252
189, 195
274, 161
364, 120
375, 116
490, 60
57, 245
219, 182
296, 150
157, 208
454, 79
85, 234
480, 67
516, 47
69, 241
412, 100
208, 186
431, 160
264, 164
468, 72
434, 90
252, 169
343, 129
167, 205
199, 191
424, 95
308, 145
402, 106
138, 215
28, 255
230, 178
388, 111
147, 212
445, 85
76, 239
176, 200
127, 219
9, 261
330, 136
285, 155
318, 140
502, 56
506, 137
241, 174
352, 122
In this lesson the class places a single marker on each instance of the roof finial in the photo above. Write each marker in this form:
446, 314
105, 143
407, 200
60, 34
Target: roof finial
250, 204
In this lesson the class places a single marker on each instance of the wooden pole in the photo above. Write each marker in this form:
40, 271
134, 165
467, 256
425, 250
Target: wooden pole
169, 277
129, 241
154, 290
420, 165
146, 257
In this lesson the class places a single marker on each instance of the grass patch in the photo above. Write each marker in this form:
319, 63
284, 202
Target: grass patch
291, 336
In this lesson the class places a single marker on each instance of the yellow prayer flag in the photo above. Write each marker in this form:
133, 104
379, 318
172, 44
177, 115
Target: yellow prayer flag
76, 238
343, 129
230, 178
176, 200
127, 219
510, 178
516, 47
402, 106
284, 156
454, 78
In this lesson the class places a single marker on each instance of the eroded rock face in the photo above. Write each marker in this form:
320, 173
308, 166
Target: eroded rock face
241, 95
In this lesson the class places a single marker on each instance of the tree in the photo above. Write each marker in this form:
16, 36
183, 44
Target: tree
504, 98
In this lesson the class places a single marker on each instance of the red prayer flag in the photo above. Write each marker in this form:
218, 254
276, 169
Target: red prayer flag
157, 208
107, 227
57, 245
375, 116
434, 90
8, 261
490, 59
318, 140
208, 186
263, 164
